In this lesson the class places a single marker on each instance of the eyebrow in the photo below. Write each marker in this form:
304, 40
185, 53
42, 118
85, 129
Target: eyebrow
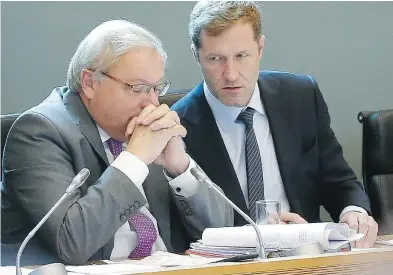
217, 54
144, 81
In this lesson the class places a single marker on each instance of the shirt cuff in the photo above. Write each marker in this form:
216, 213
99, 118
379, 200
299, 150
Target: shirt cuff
352, 208
185, 185
135, 169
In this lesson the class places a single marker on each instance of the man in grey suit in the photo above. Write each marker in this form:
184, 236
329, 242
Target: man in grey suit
108, 119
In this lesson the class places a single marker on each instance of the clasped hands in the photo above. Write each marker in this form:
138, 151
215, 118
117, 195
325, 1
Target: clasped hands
155, 136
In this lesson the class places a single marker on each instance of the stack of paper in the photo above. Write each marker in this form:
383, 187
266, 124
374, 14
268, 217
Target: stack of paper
232, 241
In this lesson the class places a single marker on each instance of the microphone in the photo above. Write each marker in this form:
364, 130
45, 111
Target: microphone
202, 178
55, 268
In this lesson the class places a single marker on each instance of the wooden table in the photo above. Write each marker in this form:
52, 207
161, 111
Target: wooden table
376, 262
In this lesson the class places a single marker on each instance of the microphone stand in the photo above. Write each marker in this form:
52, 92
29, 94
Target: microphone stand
201, 177
55, 268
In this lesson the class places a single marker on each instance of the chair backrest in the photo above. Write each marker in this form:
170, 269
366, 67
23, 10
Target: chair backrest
377, 165
172, 97
6, 123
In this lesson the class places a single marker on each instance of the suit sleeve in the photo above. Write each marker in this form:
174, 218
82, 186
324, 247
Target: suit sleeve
340, 187
39, 166
202, 208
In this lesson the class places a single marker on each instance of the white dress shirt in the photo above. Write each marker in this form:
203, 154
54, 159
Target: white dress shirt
233, 135
126, 240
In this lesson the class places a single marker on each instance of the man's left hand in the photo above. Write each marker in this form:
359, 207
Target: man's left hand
364, 224
174, 157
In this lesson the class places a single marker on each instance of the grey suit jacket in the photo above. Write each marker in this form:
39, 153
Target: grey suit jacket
49, 144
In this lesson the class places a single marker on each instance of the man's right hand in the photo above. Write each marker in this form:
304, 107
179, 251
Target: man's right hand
288, 217
147, 144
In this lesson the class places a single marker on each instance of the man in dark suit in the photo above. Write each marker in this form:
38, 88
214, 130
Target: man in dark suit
264, 135
108, 119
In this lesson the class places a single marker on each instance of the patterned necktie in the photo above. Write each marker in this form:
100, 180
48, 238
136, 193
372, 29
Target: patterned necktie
143, 225
147, 235
253, 162
115, 146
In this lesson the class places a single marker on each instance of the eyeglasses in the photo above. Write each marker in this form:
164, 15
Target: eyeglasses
159, 89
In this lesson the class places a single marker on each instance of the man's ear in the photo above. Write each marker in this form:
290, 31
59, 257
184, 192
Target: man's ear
87, 83
261, 45
194, 52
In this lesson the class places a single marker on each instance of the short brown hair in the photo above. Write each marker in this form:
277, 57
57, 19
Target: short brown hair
215, 17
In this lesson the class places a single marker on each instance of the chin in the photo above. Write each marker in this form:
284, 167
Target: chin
234, 98
234, 101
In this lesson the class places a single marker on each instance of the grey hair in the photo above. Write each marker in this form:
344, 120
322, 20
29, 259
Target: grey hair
206, 12
105, 44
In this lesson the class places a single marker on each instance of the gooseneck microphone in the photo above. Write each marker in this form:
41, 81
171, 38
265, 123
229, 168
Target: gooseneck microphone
203, 179
56, 268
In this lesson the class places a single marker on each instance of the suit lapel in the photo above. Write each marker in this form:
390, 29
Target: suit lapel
208, 150
280, 112
82, 118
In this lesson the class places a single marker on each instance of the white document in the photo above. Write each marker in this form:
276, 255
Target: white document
157, 260
384, 242
8, 270
282, 236
167, 259
108, 269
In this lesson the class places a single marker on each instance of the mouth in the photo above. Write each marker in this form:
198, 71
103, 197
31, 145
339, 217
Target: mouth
232, 88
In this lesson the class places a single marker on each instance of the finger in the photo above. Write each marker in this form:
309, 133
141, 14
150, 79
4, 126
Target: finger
372, 232
130, 128
163, 123
292, 217
169, 120
156, 114
351, 219
175, 131
273, 218
145, 111
175, 117
363, 228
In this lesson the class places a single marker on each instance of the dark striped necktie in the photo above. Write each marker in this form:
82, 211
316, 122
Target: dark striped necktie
253, 162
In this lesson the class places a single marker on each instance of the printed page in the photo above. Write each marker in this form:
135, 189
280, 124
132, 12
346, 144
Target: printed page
278, 236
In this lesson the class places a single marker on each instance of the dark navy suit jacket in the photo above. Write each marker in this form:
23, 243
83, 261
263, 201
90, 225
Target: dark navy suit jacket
309, 156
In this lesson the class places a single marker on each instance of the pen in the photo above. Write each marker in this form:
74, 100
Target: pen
239, 258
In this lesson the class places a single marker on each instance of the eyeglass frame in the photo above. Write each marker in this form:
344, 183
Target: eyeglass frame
166, 84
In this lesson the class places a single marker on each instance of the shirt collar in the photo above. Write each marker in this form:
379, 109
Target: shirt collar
103, 135
227, 115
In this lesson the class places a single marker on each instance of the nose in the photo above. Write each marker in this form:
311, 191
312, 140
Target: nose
230, 71
150, 98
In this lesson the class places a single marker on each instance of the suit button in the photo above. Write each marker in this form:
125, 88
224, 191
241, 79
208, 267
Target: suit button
132, 208
178, 189
136, 204
127, 213
123, 217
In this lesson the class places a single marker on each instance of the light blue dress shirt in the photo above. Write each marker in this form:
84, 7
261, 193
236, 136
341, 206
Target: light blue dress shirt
233, 134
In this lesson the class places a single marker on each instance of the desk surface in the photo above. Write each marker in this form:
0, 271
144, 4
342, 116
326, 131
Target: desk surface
360, 263
376, 262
